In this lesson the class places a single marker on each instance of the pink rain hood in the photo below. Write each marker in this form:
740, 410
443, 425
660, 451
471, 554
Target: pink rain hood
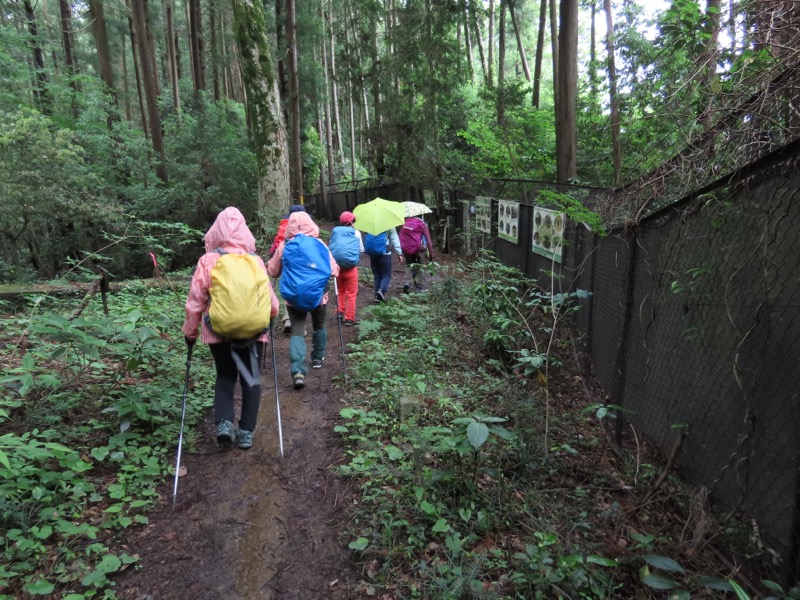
230, 232
301, 222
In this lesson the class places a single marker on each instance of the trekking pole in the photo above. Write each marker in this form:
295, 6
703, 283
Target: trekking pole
183, 417
341, 338
275, 373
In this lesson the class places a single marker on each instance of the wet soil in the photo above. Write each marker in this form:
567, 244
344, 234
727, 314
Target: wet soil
250, 524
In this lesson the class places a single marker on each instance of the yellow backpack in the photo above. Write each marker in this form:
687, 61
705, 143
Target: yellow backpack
240, 298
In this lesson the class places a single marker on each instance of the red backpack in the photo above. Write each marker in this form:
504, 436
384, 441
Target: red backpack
411, 236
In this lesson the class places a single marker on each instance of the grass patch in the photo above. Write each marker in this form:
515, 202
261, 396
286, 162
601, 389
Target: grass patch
485, 470
89, 417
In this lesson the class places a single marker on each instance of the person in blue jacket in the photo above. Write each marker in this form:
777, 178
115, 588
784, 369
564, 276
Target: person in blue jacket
381, 263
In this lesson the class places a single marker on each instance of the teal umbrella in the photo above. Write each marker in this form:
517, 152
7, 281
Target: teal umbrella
379, 215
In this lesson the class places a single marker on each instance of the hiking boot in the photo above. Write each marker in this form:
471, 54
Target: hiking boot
226, 433
287, 327
316, 363
299, 381
405, 288
245, 439
351, 322
380, 296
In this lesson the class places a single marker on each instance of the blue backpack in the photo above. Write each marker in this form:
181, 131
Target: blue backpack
306, 271
375, 245
345, 247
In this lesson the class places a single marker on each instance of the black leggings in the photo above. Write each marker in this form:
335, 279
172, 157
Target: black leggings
227, 374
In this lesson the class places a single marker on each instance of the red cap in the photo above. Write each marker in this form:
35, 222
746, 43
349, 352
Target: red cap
347, 218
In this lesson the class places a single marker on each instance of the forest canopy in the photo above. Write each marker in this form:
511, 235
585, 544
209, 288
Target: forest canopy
127, 126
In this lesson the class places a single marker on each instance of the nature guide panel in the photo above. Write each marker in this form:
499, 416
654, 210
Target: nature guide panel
508, 221
548, 233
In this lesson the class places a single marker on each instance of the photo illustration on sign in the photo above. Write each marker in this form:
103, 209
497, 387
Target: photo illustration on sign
548, 233
508, 221
483, 214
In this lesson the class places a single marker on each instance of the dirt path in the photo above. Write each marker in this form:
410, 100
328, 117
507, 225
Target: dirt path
247, 524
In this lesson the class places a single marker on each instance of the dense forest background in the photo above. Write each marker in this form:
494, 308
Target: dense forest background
127, 125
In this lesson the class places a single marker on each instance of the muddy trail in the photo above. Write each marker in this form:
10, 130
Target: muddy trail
248, 524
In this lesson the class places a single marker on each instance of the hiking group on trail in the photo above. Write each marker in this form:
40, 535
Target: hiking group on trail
233, 303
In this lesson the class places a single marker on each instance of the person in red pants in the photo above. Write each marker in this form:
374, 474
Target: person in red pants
347, 246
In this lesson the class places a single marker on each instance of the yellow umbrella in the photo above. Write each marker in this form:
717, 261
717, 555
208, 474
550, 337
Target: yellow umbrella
378, 215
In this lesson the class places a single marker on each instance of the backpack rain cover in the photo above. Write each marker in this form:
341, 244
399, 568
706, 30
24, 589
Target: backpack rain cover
345, 247
240, 298
411, 236
305, 272
375, 245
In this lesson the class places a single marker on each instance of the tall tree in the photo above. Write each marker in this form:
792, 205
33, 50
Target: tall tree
282, 55
501, 66
377, 143
69, 58
567, 91
196, 37
126, 97
490, 45
263, 99
226, 66
136, 74
323, 190
537, 65
296, 162
468, 39
215, 58
334, 97
351, 106
520, 46
151, 44
172, 59
103, 52
713, 17
41, 91
328, 137
593, 82
351, 50
554, 46
476, 25
146, 63
612, 93
356, 72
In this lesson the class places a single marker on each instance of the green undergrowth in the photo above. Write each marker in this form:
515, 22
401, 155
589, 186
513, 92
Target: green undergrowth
89, 417
484, 471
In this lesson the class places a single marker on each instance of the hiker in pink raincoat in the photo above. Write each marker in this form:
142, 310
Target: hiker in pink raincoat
415, 239
302, 223
229, 234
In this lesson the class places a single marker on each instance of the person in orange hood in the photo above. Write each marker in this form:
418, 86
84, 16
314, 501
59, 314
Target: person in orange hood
228, 234
302, 223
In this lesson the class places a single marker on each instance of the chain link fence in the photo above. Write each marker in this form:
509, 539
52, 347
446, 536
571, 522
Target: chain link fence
694, 327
